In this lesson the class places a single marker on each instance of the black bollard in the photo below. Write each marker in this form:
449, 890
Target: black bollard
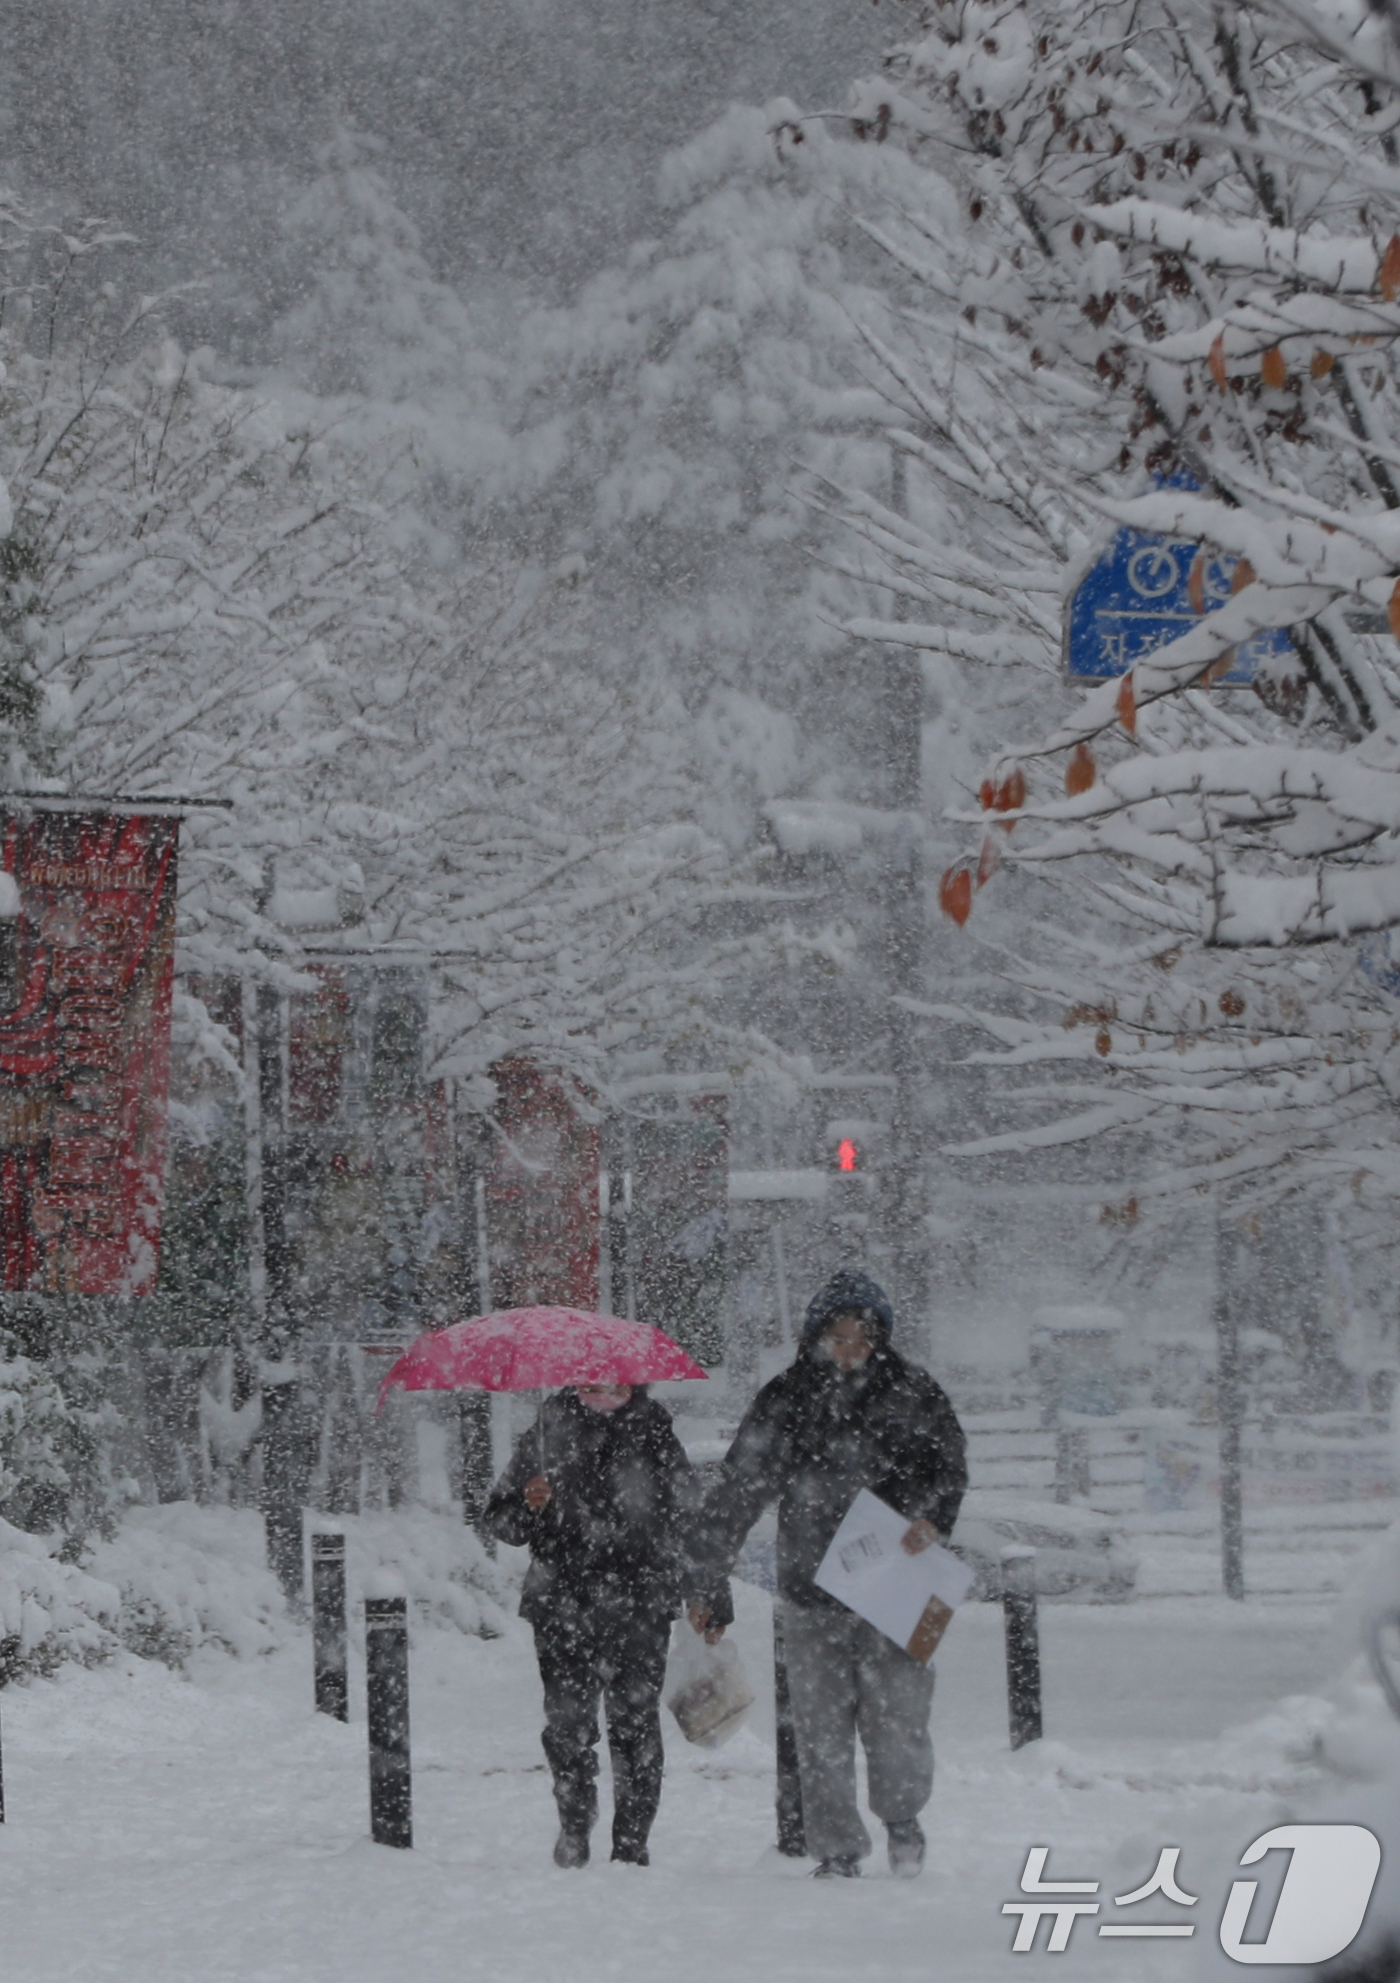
1022, 1645
792, 1840
281, 1501
386, 1690
328, 1636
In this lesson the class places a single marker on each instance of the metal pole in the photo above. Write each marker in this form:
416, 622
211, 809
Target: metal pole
904, 944
474, 1419
792, 1840
386, 1691
1022, 1644
604, 1244
475, 1406
1229, 1394
629, 1262
780, 1279
282, 1432
282, 1514
483, 1258
2, 1789
328, 1633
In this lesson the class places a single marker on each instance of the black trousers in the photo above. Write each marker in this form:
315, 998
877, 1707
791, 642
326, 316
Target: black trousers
587, 1651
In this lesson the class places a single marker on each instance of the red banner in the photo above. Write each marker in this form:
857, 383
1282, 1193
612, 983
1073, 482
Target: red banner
541, 1192
86, 972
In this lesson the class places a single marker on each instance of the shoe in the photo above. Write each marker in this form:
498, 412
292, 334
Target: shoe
906, 1841
631, 1855
571, 1849
845, 1866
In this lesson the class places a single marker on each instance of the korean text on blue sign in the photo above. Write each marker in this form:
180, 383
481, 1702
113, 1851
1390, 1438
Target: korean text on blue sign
1135, 600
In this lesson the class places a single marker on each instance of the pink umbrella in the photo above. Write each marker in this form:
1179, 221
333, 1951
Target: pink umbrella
527, 1349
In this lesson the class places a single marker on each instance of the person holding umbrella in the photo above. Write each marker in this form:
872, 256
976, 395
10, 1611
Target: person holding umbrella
601, 1492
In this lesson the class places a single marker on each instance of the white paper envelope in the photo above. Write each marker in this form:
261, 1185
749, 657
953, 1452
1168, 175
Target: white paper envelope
908, 1598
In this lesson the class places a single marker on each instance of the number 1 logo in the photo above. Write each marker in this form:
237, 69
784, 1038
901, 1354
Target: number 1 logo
1323, 1901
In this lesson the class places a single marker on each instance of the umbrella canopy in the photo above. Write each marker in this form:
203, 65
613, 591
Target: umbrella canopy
527, 1349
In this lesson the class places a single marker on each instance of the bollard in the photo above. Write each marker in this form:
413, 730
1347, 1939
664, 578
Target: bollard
386, 1691
792, 1841
1022, 1644
328, 1635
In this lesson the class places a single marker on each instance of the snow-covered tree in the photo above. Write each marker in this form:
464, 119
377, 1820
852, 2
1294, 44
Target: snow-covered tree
431, 742
673, 406
1167, 300
413, 373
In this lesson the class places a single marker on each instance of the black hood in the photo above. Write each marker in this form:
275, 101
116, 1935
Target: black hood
844, 1292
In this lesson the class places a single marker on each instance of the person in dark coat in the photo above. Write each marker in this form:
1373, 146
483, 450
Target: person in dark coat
849, 1412
603, 1494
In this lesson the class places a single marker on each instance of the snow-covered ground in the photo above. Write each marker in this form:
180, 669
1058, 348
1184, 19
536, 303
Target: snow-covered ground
202, 1826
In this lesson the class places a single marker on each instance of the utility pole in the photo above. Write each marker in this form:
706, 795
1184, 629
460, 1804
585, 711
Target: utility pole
903, 953
281, 1386
1229, 1405
474, 1407
265, 1092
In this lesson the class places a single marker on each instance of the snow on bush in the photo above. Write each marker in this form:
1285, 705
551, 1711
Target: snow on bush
34, 1417
177, 1579
50, 1611
191, 1578
449, 1578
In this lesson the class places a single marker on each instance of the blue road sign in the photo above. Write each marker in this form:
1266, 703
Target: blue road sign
1379, 960
1134, 600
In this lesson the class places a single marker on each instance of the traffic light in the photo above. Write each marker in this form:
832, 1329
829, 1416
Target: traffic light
852, 1151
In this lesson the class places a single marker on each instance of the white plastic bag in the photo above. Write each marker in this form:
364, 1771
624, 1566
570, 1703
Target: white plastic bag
707, 1689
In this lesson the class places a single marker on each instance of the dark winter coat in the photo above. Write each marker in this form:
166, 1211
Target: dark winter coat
618, 1529
812, 1438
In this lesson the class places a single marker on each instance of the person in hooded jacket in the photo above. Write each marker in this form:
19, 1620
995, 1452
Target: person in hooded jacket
602, 1493
849, 1412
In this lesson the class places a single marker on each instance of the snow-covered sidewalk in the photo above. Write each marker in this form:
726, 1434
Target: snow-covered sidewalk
211, 1829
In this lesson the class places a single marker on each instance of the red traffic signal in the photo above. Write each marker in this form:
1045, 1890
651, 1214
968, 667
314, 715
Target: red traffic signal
847, 1155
